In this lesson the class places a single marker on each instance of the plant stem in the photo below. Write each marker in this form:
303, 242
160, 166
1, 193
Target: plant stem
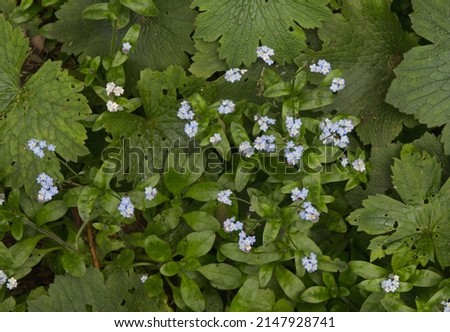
113, 40
90, 236
68, 167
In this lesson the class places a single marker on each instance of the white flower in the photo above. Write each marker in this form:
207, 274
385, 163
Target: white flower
293, 153
185, 112
297, 194
293, 126
265, 143
144, 278
310, 263
446, 305
337, 84
344, 161
150, 193
265, 53
234, 74
2, 201
246, 242
391, 284
359, 165
224, 196
112, 106
226, 107
126, 48
309, 212
38, 146
48, 190
3, 278
322, 67
12, 283
216, 138
264, 122
246, 149
110, 86
126, 208
231, 225
191, 128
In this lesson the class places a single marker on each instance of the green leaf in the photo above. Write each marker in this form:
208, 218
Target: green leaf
374, 51
199, 243
425, 278
168, 32
121, 292
368, 270
416, 176
169, 269
86, 202
153, 286
204, 191
201, 221
425, 70
316, 294
263, 256
289, 282
251, 298
395, 305
47, 107
157, 249
221, 275
206, 61
191, 294
73, 263
99, 11
22, 250
142, 7
183, 171
51, 212
272, 23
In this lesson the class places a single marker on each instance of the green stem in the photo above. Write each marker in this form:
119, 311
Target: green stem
113, 40
68, 167
241, 200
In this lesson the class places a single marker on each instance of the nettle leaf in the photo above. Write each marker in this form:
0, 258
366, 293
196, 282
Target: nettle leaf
47, 107
120, 292
367, 57
148, 139
239, 26
421, 225
423, 77
164, 39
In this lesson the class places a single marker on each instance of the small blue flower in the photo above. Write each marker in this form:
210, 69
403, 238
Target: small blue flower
126, 208
337, 84
185, 112
297, 194
264, 52
150, 193
226, 107
293, 126
310, 263
309, 212
191, 128
322, 67
264, 122
246, 242
234, 74
265, 143
231, 225
224, 197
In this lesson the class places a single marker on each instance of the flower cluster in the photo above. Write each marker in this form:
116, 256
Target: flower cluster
226, 107
246, 242
185, 111
126, 208
265, 143
309, 212
150, 193
11, 283
299, 194
293, 126
126, 47
234, 74
265, 52
224, 196
117, 91
231, 225
337, 84
38, 146
48, 190
264, 122
335, 133
216, 138
359, 165
246, 149
293, 153
322, 67
191, 128
446, 305
310, 263
391, 284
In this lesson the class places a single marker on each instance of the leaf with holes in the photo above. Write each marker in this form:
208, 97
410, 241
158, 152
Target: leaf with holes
367, 57
239, 26
423, 77
46, 107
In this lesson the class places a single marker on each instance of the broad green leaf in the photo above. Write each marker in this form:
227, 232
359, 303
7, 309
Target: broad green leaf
153, 286
273, 23
183, 171
289, 282
169, 269
395, 305
166, 221
157, 249
206, 61
425, 278
271, 230
416, 176
263, 256
367, 57
191, 294
120, 292
221, 275
73, 263
86, 202
316, 294
199, 243
204, 191
201, 221
47, 107
368, 270
23, 249
424, 74
168, 32
142, 7
99, 11
51, 212
265, 274
251, 298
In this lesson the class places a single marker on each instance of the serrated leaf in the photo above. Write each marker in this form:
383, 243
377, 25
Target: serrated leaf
423, 75
167, 35
274, 23
367, 57
120, 292
205, 60
47, 107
